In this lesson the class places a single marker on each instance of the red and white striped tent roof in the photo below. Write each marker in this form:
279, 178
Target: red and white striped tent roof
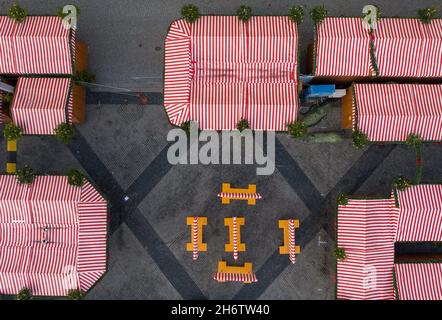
403, 48
38, 45
342, 48
366, 230
391, 112
419, 281
220, 70
420, 214
72, 220
41, 104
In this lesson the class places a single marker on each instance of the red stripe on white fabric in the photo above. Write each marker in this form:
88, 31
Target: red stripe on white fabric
195, 238
38, 45
391, 112
366, 230
342, 48
292, 254
420, 214
235, 277
419, 281
40, 104
75, 232
245, 196
235, 238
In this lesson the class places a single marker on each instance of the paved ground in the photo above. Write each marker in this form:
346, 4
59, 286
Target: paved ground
123, 148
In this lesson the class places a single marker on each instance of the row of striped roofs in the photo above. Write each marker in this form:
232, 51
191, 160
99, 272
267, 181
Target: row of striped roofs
41, 104
403, 48
368, 230
39, 45
52, 236
391, 112
220, 70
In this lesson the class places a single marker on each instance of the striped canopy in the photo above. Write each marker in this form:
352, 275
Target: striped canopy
366, 232
52, 236
420, 214
220, 70
391, 112
342, 48
403, 48
38, 45
41, 104
419, 281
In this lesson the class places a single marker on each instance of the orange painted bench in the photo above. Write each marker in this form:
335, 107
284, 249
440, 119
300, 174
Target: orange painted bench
234, 244
196, 244
228, 193
289, 247
234, 273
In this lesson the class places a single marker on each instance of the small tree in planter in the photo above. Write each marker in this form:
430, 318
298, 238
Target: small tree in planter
244, 12
242, 125
318, 14
64, 132
75, 178
12, 132
75, 294
25, 175
414, 141
17, 13
297, 129
340, 254
360, 139
401, 183
186, 127
296, 14
24, 294
342, 199
190, 13
426, 14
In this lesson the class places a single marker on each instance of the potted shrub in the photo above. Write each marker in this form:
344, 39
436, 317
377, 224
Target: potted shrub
244, 12
12, 132
25, 175
297, 129
426, 14
414, 141
17, 13
360, 139
75, 294
24, 294
318, 14
401, 183
340, 254
296, 14
342, 199
75, 178
242, 125
64, 132
190, 13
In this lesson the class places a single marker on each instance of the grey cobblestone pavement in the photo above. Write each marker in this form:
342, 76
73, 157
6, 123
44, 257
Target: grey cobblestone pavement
122, 147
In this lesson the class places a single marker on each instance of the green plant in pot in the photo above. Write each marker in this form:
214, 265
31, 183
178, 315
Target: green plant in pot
401, 183
25, 175
24, 294
426, 14
75, 178
360, 139
414, 141
190, 13
296, 14
342, 199
297, 129
340, 254
242, 125
17, 13
244, 13
75, 294
64, 132
12, 132
318, 14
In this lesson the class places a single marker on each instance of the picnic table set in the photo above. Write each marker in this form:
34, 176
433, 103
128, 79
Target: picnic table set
244, 273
